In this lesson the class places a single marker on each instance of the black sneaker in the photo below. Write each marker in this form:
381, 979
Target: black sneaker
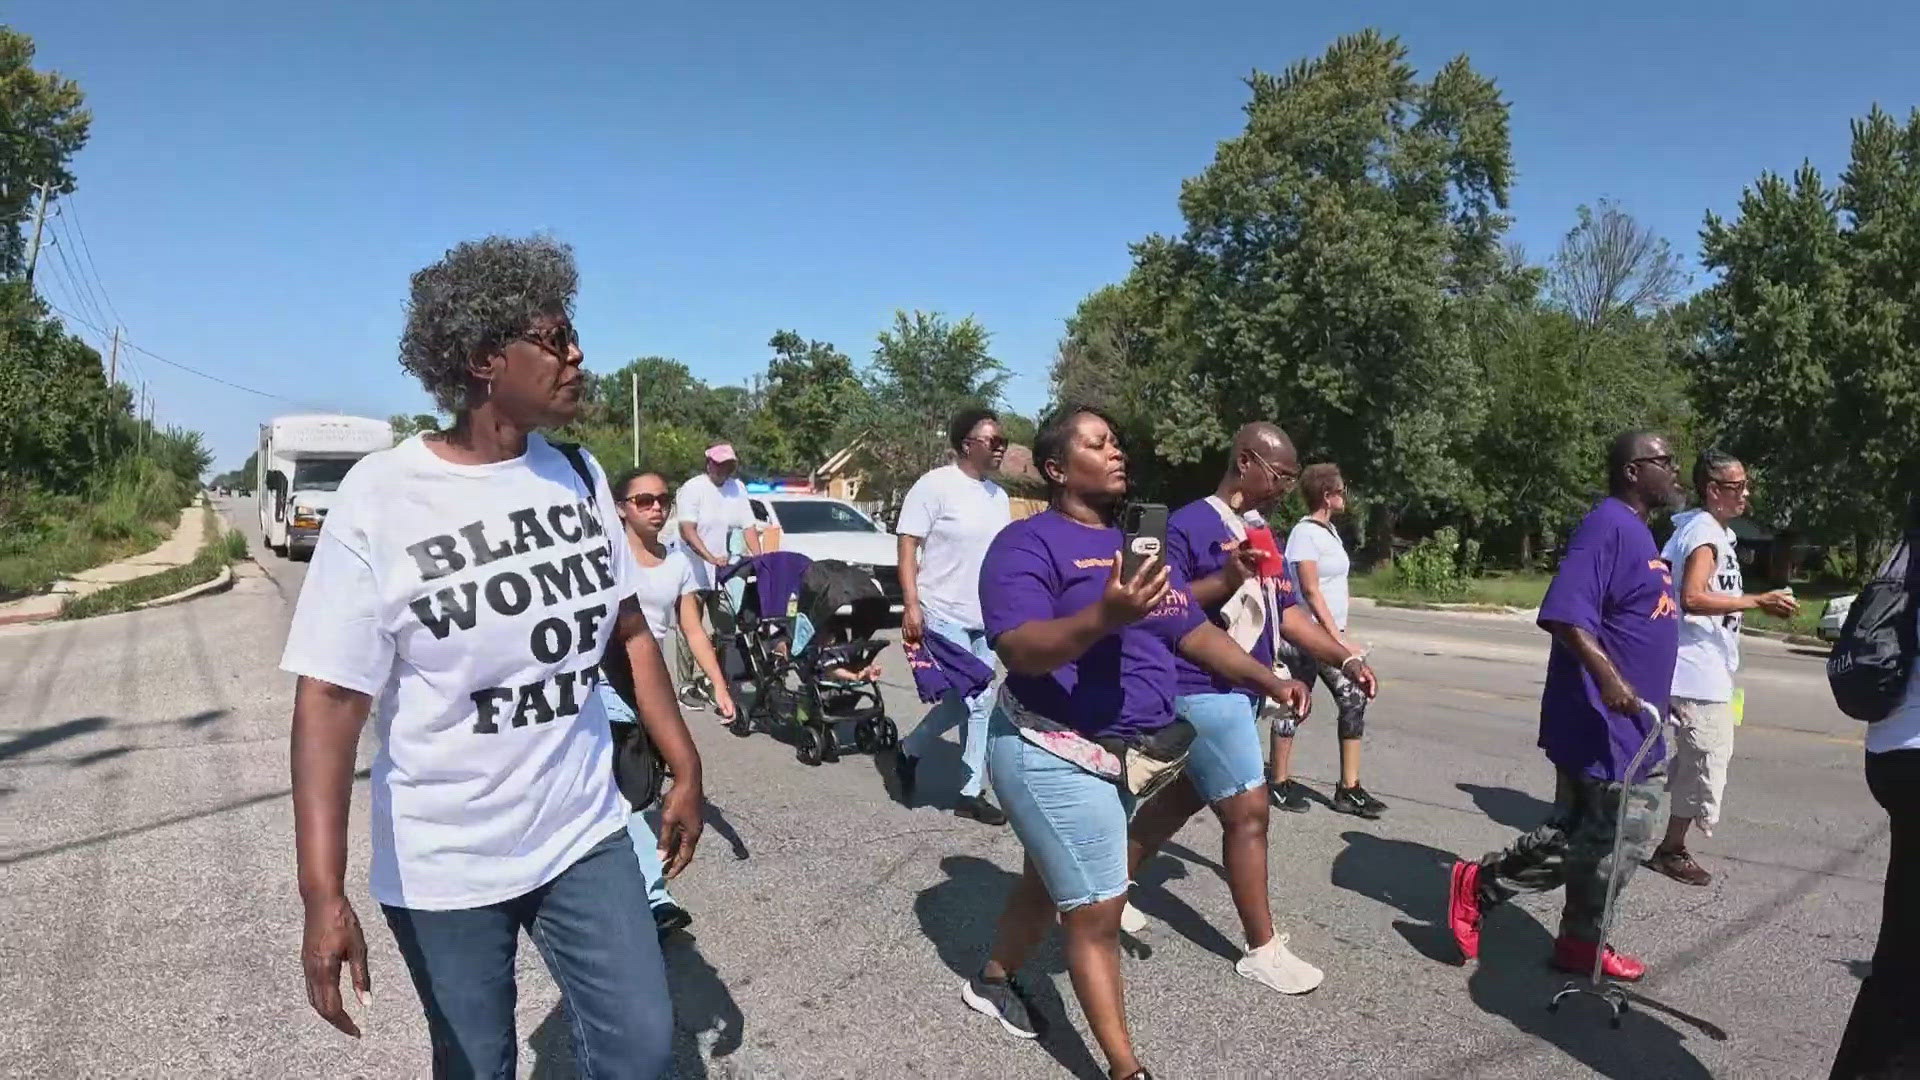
980, 810
1005, 1001
1355, 800
1290, 797
904, 766
669, 917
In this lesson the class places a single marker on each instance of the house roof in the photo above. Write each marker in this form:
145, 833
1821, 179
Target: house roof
1017, 472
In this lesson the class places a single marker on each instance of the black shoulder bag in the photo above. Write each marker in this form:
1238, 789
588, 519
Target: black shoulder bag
637, 767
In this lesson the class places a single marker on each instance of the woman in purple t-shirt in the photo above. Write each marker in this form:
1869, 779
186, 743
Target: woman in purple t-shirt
1090, 660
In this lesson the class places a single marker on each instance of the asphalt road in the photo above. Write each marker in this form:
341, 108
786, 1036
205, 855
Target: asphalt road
151, 925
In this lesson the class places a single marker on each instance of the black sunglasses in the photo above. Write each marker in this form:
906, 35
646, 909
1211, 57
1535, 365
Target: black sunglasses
997, 443
1659, 461
647, 500
559, 339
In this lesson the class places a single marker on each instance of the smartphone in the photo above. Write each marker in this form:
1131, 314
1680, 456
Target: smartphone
1145, 525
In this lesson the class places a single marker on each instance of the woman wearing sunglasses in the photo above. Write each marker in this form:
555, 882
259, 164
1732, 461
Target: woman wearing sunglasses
470, 581
1090, 663
947, 520
669, 594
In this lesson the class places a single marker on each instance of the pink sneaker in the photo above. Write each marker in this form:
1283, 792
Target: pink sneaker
1463, 908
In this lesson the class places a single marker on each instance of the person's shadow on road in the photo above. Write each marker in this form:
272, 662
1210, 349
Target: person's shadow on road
959, 915
707, 1024
1512, 979
1506, 807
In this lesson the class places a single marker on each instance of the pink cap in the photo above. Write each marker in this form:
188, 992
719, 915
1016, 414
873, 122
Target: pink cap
721, 453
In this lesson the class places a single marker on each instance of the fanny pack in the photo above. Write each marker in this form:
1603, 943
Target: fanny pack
1142, 765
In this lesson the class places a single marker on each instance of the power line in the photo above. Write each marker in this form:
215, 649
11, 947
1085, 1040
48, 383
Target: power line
82, 294
189, 369
87, 249
76, 266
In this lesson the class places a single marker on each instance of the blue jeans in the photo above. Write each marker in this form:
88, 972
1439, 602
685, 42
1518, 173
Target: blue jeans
953, 708
646, 846
1072, 823
592, 929
1225, 759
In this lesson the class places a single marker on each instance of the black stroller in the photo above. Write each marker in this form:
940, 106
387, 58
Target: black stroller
799, 622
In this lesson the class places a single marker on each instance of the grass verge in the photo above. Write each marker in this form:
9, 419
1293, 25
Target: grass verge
44, 538
214, 555
1515, 590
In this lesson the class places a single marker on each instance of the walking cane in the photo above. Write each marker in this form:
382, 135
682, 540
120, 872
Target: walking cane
1598, 984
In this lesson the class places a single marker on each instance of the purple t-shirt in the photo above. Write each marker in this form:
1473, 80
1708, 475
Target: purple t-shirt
1049, 566
1613, 584
1196, 548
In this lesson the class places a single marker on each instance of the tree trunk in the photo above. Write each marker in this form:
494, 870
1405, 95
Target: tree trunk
1526, 548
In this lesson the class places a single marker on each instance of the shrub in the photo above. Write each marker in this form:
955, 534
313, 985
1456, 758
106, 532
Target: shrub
1432, 568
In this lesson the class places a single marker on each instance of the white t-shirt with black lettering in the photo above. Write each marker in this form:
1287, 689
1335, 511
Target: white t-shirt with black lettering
473, 603
1709, 644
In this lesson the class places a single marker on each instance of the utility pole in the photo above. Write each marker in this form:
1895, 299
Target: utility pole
39, 219
633, 381
113, 360
139, 417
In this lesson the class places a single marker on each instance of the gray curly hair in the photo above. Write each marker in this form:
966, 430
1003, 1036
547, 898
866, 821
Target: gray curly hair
476, 299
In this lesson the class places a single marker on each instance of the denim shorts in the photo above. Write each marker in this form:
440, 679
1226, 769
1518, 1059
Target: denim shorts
1072, 823
1225, 759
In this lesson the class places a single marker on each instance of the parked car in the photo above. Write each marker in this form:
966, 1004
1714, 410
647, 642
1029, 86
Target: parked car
1832, 619
823, 528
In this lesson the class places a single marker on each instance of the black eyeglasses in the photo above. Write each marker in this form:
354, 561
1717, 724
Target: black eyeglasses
560, 339
996, 444
1732, 487
647, 500
1658, 461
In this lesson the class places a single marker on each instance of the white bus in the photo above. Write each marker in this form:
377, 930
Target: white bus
302, 460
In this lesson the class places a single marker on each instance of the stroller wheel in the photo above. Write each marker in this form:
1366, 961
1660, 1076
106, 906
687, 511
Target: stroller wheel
812, 748
829, 742
866, 736
886, 733
742, 724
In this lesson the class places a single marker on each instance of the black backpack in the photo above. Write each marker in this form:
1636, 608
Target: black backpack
637, 767
1869, 664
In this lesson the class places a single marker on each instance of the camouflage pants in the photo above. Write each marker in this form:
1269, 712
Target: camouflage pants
1574, 849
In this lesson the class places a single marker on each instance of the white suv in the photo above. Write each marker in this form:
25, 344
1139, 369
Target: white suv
823, 528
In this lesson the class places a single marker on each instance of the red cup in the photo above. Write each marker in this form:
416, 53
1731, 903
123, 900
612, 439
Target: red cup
1271, 562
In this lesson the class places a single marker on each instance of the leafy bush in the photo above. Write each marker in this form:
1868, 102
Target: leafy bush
236, 545
1432, 568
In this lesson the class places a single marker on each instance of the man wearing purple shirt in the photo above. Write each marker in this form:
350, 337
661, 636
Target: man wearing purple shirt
1615, 623
1207, 545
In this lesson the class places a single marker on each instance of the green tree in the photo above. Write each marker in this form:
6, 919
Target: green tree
924, 370
809, 391
43, 123
1570, 355
1807, 359
1331, 255
406, 427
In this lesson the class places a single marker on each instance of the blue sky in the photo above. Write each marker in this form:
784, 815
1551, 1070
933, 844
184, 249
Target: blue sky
262, 177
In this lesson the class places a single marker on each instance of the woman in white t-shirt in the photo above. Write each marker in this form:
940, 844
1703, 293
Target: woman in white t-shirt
947, 520
1712, 597
469, 582
1318, 564
669, 595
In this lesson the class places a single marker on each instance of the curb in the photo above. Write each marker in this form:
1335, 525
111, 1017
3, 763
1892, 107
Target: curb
220, 582
1802, 640
1429, 605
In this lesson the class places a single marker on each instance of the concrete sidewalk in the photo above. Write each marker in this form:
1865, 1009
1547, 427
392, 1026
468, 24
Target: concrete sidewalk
178, 549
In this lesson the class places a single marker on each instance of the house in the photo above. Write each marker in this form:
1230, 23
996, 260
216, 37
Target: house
840, 478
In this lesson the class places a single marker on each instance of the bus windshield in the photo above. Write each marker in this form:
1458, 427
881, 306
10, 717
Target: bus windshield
320, 474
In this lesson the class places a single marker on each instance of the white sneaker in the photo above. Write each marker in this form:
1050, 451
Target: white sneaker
1132, 920
1274, 965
